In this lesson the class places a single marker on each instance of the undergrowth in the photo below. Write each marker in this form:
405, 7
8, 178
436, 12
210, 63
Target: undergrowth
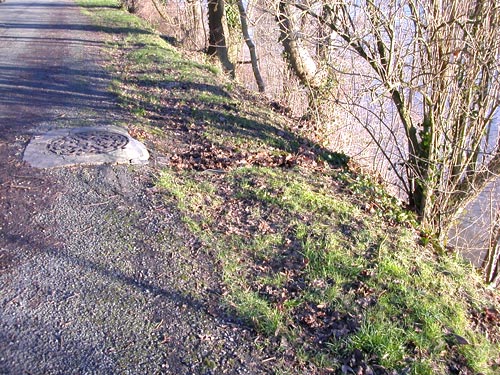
316, 257
307, 264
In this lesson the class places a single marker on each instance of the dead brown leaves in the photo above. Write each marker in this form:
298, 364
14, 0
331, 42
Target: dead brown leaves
488, 321
203, 155
322, 323
138, 133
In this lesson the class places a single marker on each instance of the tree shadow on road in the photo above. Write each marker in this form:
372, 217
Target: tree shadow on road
75, 27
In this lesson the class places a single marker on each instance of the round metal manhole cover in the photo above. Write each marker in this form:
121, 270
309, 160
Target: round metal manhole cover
88, 142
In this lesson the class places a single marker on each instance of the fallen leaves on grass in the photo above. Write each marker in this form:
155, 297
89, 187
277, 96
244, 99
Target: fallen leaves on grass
321, 323
207, 156
138, 133
488, 321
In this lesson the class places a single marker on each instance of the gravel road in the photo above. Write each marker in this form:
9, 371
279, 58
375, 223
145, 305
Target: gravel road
97, 274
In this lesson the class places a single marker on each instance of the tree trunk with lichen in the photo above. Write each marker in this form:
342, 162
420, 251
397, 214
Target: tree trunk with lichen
438, 63
296, 55
217, 39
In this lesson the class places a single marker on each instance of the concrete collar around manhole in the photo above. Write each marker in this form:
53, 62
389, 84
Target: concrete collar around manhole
88, 146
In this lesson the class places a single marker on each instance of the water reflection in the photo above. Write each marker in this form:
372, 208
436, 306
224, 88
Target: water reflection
471, 236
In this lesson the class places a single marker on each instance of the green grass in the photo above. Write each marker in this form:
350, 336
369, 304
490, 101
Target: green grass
298, 247
196, 199
382, 338
150, 63
419, 299
99, 3
260, 312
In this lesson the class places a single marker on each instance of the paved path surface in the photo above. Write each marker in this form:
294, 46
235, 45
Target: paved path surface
97, 275
47, 60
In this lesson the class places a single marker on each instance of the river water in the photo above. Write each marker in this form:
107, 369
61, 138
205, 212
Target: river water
471, 235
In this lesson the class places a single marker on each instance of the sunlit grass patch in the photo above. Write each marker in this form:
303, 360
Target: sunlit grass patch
402, 299
193, 197
258, 311
312, 268
293, 192
154, 52
381, 338
404, 295
111, 18
99, 3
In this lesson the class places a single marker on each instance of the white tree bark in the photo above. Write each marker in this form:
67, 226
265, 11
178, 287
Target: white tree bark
251, 46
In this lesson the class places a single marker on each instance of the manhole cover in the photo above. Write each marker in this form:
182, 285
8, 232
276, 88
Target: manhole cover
88, 142
106, 144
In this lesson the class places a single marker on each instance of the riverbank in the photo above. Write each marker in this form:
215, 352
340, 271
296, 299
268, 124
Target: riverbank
315, 257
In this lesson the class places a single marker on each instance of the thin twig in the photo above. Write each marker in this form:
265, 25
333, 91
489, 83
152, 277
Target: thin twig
268, 359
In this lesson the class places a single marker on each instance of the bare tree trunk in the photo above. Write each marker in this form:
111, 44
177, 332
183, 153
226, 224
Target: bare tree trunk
251, 46
164, 16
217, 38
324, 39
197, 31
129, 5
491, 263
296, 54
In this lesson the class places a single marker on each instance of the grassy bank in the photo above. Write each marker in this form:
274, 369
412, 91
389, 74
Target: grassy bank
313, 255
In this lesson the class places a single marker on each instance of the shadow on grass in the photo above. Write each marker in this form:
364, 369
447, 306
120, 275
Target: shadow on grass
212, 110
196, 98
